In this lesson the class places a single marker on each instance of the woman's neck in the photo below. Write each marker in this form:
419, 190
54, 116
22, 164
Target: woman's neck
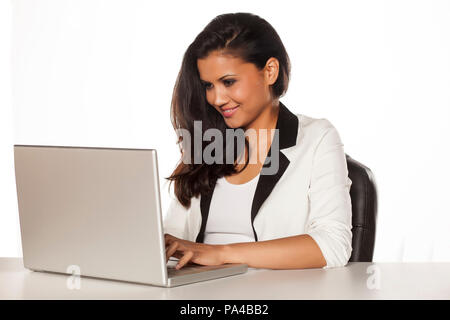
263, 127
267, 119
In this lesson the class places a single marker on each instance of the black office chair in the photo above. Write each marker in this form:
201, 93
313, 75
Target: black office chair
363, 193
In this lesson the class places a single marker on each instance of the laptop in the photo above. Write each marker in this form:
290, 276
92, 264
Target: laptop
98, 211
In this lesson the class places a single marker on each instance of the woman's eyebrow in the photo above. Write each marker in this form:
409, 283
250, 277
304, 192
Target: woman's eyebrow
220, 77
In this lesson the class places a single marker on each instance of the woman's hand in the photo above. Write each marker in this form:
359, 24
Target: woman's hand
188, 251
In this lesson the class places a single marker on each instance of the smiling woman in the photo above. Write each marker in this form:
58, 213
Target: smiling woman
297, 216
231, 77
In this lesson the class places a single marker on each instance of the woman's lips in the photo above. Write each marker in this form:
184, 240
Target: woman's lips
228, 113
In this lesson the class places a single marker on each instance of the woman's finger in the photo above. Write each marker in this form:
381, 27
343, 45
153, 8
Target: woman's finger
171, 250
177, 255
185, 259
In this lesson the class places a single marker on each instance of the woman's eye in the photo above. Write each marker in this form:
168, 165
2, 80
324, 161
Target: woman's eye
226, 82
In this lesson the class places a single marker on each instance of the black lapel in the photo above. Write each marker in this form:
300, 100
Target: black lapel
287, 125
205, 202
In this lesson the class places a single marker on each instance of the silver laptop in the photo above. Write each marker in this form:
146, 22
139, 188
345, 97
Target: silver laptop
98, 211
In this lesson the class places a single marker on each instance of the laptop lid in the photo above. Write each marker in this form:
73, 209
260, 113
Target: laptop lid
97, 209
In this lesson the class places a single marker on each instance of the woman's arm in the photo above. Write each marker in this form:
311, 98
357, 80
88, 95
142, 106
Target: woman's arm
296, 252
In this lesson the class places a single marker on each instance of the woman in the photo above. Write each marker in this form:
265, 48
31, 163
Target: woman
296, 216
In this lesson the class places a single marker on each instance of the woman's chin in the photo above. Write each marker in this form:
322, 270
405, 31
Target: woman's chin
233, 123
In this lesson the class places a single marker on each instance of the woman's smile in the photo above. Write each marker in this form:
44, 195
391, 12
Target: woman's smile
229, 112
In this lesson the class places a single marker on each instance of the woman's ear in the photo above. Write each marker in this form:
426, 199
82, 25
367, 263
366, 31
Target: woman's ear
271, 70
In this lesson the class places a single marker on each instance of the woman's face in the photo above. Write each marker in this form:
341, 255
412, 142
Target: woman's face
234, 85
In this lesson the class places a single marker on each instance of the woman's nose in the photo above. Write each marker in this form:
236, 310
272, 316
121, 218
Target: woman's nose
219, 98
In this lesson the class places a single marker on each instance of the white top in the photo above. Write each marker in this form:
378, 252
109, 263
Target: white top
229, 220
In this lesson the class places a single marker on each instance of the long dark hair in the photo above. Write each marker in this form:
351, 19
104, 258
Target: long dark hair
242, 35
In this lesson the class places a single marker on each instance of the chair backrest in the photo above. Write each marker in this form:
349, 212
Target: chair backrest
363, 193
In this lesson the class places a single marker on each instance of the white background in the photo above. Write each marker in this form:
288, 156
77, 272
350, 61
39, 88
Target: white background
101, 73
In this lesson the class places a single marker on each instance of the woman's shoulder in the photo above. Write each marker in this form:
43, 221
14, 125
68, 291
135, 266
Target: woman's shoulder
313, 123
313, 128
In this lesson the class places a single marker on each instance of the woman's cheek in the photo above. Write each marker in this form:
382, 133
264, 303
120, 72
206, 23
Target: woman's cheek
240, 94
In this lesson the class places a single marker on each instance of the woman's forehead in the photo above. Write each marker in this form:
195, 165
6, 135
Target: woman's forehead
216, 66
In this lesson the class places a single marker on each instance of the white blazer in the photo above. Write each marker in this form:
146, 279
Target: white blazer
309, 194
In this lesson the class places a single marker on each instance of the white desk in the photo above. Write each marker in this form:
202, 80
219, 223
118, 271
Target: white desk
397, 281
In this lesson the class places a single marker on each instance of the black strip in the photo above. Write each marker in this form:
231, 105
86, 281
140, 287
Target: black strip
223, 309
